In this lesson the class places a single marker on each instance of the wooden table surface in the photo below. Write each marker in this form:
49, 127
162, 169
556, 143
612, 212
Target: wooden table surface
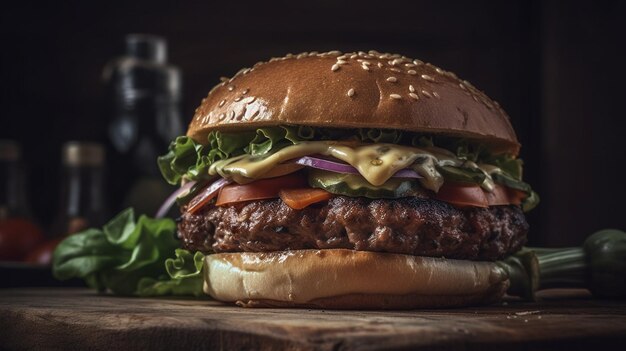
62, 319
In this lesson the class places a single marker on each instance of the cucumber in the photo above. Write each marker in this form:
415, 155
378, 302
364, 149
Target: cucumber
355, 185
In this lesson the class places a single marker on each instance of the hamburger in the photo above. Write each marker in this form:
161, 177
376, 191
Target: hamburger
350, 180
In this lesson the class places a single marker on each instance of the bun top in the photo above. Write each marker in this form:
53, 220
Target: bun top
354, 90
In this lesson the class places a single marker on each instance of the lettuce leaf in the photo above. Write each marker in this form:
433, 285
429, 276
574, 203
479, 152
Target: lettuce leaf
126, 254
190, 159
185, 277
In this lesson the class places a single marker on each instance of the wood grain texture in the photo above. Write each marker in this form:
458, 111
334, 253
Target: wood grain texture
61, 319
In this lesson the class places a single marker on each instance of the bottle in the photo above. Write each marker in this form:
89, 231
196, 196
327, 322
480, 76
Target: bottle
82, 201
19, 234
143, 104
13, 202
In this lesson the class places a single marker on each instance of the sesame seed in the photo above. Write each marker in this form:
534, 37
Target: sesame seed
411, 88
341, 62
462, 86
224, 79
231, 88
367, 63
231, 114
412, 72
222, 116
365, 67
334, 52
238, 98
409, 65
475, 98
391, 63
245, 91
435, 94
335, 67
427, 77
395, 96
393, 69
362, 53
427, 94
414, 96
380, 65
249, 99
392, 79
439, 70
222, 103
351, 92
418, 62
353, 56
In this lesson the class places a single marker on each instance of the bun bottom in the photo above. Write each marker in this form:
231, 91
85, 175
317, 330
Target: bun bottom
347, 279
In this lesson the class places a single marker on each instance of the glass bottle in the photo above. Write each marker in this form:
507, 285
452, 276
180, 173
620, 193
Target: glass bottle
19, 234
82, 199
13, 202
143, 104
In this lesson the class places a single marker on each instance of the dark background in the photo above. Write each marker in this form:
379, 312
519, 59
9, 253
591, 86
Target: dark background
556, 67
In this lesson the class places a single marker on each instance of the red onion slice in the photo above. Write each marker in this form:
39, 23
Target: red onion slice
169, 202
206, 194
337, 167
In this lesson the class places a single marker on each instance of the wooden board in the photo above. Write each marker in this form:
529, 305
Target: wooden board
62, 319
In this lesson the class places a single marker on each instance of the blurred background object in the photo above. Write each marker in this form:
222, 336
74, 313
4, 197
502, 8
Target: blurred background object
556, 67
142, 104
82, 196
19, 234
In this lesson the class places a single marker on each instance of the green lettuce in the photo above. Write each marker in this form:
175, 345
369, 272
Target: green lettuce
191, 160
130, 257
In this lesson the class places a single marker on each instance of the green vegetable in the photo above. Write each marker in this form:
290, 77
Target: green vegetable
529, 202
462, 175
189, 159
125, 253
599, 265
185, 272
355, 185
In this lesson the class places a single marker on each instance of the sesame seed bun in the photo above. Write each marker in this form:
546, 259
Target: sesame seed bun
347, 279
354, 90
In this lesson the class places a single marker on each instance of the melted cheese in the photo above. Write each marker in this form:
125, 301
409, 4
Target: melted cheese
375, 162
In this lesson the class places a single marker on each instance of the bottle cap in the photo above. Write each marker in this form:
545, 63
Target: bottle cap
9, 150
77, 153
147, 47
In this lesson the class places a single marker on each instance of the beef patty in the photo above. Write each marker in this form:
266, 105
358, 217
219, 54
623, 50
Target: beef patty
414, 226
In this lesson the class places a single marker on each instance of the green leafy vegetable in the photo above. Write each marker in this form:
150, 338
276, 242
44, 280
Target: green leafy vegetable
128, 257
191, 160
185, 277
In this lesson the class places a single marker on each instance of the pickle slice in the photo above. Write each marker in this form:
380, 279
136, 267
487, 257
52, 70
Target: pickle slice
355, 185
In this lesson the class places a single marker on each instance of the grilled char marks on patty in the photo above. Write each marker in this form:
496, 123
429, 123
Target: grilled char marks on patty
421, 227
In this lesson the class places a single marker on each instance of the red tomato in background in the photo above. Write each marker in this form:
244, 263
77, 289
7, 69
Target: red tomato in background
17, 238
42, 254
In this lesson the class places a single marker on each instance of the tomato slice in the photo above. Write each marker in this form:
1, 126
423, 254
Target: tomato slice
499, 196
303, 197
462, 195
260, 189
516, 197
